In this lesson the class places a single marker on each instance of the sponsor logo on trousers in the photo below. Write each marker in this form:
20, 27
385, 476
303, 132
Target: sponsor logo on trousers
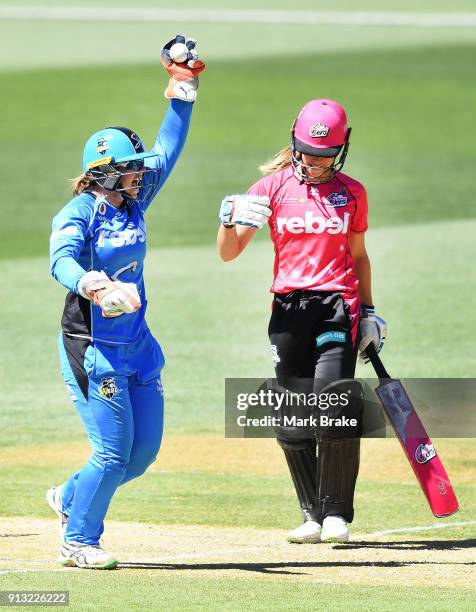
312, 224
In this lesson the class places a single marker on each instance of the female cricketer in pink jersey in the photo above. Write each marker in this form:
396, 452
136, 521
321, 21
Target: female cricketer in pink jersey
322, 313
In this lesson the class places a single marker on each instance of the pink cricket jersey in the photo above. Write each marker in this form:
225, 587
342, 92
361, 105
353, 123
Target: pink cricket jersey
310, 228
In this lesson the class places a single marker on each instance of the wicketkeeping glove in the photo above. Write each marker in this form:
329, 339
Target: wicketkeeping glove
184, 75
114, 298
373, 329
245, 209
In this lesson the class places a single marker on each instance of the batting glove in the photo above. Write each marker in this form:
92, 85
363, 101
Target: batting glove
373, 330
183, 84
114, 298
250, 210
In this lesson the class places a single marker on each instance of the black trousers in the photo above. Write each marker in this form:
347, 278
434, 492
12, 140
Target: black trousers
311, 340
311, 336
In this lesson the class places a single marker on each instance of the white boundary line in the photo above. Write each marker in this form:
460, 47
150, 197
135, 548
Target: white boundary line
422, 528
29, 571
338, 18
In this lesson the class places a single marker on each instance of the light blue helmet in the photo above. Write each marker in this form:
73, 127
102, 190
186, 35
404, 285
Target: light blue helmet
113, 145
112, 153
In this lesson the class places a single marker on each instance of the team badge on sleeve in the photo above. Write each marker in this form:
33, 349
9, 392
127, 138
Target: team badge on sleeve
108, 388
337, 200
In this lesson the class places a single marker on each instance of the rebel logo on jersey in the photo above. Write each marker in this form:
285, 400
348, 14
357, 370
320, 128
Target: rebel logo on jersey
313, 224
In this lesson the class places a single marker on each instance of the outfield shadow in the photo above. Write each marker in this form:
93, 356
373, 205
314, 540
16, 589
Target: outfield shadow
410, 545
280, 568
262, 568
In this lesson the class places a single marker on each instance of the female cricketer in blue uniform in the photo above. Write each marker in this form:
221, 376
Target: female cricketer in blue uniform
110, 362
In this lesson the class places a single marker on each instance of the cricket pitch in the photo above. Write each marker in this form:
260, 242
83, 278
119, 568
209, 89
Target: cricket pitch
31, 545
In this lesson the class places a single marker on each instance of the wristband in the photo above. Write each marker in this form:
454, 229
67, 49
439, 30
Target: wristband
366, 311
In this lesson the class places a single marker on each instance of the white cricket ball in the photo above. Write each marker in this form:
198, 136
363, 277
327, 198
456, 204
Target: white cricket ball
178, 53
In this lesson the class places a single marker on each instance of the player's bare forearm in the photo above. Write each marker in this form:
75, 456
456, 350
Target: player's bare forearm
363, 272
232, 241
361, 266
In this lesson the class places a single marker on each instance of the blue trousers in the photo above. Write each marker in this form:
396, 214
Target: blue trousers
120, 401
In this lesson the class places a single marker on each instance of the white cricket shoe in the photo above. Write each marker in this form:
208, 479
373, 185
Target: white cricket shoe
307, 533
88, 556
53, 497
334, 529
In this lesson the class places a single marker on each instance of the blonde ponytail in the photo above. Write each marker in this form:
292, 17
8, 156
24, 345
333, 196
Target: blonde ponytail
281, 160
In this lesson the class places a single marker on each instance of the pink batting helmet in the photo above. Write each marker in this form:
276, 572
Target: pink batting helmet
320, 128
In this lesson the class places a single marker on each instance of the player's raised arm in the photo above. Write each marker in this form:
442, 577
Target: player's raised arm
180, 59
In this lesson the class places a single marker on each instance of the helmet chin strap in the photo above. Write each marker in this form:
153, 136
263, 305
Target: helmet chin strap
300, 171
300, 167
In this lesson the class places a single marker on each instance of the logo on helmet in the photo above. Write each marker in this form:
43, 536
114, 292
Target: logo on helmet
318, 130
103, 144
136, 141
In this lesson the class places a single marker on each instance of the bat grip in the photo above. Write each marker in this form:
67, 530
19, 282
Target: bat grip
376, 362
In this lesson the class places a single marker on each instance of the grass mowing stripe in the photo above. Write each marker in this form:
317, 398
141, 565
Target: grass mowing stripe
424, 6
224, 499
287, 590
303, 17
92, 43
412, 172
424, 258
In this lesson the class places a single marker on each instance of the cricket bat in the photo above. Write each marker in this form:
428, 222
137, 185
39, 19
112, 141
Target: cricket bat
418, 447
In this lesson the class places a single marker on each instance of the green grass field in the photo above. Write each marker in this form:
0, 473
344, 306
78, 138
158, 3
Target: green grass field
205, 527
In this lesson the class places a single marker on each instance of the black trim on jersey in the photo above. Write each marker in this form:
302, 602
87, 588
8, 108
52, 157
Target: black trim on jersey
76, 319
75, 350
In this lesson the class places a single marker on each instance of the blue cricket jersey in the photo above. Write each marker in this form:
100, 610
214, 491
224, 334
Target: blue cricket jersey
91, 234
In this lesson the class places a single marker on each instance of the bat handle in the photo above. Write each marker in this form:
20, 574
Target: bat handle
376, 362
